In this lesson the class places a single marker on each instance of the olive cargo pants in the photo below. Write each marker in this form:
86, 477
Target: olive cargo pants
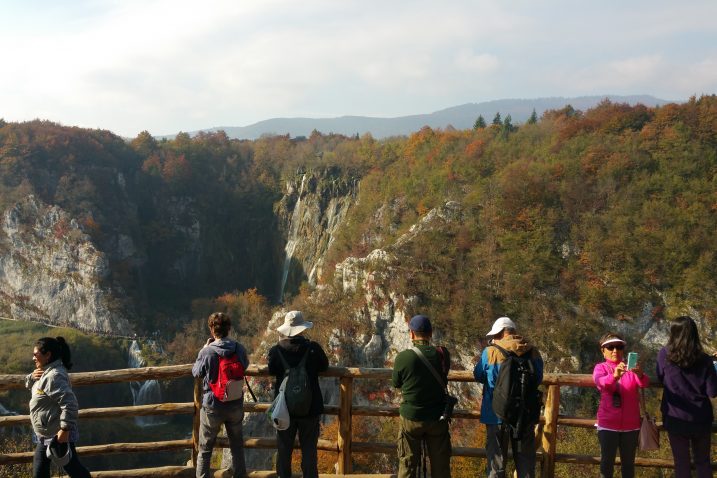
438, 443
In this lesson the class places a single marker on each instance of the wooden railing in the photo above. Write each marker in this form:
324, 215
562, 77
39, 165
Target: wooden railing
344, 446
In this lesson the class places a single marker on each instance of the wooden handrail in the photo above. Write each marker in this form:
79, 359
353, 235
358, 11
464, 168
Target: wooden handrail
344, 446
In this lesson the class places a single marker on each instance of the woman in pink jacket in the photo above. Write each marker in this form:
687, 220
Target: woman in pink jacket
618, 416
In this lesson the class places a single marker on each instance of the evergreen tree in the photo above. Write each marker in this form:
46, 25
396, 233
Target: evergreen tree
480, 123
497, 120
507, 126
508, 123
533, 117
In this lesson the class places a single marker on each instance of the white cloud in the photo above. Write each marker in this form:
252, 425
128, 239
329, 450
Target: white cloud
169, 65
481, 63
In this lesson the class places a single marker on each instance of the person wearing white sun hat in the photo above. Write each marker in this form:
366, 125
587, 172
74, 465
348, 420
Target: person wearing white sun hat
293, 348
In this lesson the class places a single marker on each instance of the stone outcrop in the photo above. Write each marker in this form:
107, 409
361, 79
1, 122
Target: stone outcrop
312, 208
51, 272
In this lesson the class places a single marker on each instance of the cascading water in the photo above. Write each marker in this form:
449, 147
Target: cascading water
10, 431
292, 240
144, 393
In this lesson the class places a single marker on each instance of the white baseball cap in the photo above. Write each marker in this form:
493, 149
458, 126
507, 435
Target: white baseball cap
499, 325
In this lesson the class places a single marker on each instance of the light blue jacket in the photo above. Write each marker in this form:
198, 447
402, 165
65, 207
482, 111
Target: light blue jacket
486, 371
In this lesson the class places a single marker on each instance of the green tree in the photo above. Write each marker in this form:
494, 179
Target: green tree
480, 123
497, 120
144, 144
533, 117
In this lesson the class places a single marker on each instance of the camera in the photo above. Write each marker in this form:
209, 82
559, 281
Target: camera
616, 400
450, 403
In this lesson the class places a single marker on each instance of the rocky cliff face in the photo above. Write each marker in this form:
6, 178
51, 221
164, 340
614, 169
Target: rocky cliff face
382, 309
51, 272
311, 210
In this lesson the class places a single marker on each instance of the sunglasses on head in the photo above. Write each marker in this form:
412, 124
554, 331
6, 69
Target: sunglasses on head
612, 347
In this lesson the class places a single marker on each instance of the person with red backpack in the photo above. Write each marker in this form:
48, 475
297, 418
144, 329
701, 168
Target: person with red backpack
510, 370
221, 364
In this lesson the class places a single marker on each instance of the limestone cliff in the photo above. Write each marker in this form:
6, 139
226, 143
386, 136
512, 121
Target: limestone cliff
51, 272
312, 208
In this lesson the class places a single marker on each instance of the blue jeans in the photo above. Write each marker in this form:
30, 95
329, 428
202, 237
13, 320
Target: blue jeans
210, 420
41, 464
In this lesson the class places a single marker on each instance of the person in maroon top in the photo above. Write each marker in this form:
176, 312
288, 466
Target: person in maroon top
689, 380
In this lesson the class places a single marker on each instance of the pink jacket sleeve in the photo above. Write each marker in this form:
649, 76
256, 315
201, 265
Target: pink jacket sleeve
603, 378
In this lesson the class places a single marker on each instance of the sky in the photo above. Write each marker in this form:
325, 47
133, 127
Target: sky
166, 66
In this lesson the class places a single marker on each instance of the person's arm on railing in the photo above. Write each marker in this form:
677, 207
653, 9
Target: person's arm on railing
242, 355
537, 360
480, 370
396, 376
322, 361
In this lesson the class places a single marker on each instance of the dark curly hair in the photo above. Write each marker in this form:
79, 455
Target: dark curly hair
58, 349
219, 323
684, 348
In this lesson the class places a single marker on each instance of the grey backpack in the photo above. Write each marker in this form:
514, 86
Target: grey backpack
298, 387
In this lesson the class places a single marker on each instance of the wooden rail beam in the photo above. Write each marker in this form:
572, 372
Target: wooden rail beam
595, 460
109, 449
159, 472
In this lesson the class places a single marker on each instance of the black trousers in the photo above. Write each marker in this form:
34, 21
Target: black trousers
610, 442
41, 464
308, 429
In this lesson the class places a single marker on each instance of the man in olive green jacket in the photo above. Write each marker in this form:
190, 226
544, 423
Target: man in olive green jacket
423, 403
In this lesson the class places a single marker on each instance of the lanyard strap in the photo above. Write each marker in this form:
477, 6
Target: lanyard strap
430, 366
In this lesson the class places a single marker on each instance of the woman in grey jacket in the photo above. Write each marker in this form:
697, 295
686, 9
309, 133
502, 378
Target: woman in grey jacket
53, 408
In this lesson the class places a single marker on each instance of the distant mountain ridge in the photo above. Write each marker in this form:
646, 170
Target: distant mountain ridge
460, 117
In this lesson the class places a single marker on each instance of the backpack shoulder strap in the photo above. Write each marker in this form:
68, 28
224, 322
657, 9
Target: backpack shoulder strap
430, 366
284, 363
302, 363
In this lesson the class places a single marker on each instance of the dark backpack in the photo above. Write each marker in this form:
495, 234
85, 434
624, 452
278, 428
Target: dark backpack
228, 385
298, 386
516, 398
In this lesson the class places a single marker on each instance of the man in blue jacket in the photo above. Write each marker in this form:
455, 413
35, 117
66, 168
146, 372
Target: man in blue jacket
503, 335
215, 412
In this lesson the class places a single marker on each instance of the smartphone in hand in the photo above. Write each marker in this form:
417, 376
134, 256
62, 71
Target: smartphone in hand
631, 360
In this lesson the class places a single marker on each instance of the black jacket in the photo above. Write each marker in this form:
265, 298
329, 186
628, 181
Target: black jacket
293, 348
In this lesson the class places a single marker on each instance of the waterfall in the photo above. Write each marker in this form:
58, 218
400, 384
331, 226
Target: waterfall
15, 430
292, 240
144, 393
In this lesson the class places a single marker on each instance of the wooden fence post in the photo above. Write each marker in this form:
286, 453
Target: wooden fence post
198, 389
344, 438
552, 407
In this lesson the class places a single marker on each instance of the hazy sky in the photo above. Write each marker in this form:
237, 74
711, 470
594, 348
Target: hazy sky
173, 65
